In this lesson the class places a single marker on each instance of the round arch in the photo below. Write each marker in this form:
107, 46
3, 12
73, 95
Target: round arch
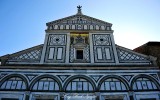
144, 82
49, 82
113, 83
14, 82
80, 83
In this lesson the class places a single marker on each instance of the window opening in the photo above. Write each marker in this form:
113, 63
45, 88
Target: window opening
79, 54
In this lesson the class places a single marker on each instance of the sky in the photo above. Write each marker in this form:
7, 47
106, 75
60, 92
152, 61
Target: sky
23, 22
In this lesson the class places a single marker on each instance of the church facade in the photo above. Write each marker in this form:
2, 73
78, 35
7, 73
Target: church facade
79, 60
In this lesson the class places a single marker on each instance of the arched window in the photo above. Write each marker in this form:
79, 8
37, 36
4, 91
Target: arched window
46, 84
14, 83
144, 84
79, 84
112, 84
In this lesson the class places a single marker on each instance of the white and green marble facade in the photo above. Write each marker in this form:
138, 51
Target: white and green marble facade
103, 70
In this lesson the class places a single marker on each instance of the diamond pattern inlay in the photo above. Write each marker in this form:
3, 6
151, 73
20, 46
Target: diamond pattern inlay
126, 55
31, 54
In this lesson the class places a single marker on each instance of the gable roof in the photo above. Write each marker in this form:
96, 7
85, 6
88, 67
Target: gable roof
79, 22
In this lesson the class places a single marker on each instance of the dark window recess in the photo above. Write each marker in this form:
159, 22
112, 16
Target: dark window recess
79, 54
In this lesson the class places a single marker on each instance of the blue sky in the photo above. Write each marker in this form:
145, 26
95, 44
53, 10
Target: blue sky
22, 22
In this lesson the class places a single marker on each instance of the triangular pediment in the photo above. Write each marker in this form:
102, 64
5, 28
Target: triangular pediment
79, 22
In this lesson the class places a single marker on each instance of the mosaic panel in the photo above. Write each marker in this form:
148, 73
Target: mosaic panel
33, 55
127, 56
57, 39
63, 77
127, 77
30, 77
101, 40
96, 77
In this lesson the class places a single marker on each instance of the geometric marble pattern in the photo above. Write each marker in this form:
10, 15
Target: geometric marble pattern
32, 54
30, 77
155, 76
2, 75
57, 40
63, 77
128, 55
96, 77
101, 40
128, 77
29, 55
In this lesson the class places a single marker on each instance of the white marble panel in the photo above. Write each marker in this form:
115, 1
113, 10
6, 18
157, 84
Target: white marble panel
46, 85
14, 83
8, 84
85, 86
59, 53
112, 84
134, 86
108, 55
3, 85
102, 86
139, 85
56, 27
118, 85
61, 27
56, 86
99, 53
69, 86
144, 85
19, 84
154, 86
85, 27
51, 86
102, 28
91, 27
97, 27
35, 86
79, 85
74, 85
107, 86
123, 86
51, 53
23, 85
90, 87
149, 85
73, 27
40, 85
67, 26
